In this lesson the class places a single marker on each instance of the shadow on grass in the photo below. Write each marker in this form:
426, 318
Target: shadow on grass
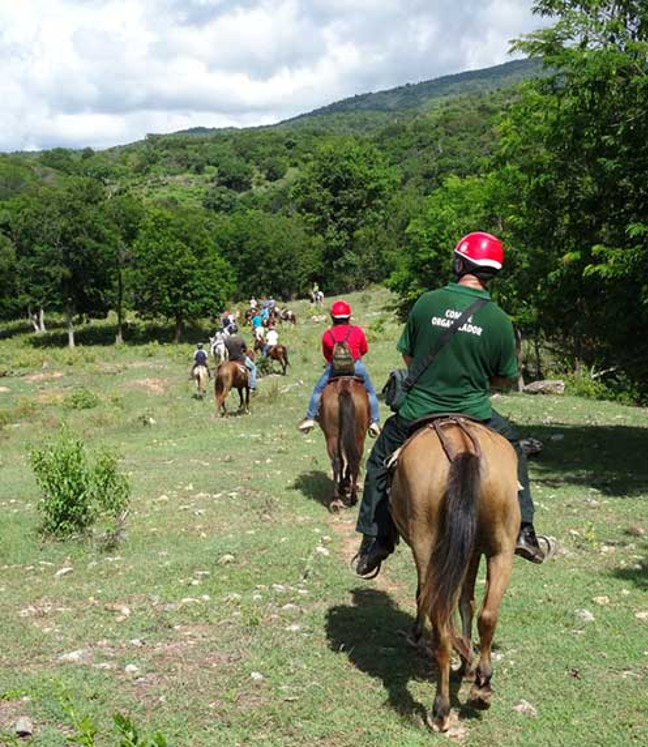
316, 485
367, 632
611, 459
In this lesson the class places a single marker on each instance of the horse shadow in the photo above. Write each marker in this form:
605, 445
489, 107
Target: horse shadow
316, 485
371, 633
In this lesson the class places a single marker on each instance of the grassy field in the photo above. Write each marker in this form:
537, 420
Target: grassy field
228, 615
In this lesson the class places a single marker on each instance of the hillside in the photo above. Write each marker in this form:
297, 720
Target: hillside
416, 97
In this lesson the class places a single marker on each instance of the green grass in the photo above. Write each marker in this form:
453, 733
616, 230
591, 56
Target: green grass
232, 566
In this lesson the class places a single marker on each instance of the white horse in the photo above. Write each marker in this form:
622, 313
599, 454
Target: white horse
218, 348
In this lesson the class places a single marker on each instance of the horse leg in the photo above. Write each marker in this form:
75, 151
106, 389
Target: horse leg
499, 571
467, 611
336, 465
439, 719
247, 400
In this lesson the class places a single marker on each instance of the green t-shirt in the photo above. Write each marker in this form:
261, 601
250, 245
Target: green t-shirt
459, 378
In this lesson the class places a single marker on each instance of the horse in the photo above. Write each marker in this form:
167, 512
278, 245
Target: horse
286, 315
453, 499
201, 377
232, 375
275, 353
279, 353
217, 347
344, 418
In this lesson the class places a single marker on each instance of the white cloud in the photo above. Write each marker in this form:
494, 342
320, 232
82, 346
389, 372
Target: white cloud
101, 72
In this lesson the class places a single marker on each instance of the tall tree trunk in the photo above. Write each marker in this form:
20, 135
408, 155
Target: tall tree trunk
41, 319
538, 359
33, 319
119, 339
178, 329
69, 319
518, 353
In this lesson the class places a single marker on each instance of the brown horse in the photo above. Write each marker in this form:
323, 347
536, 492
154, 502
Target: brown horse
201, 377
277, 353
344, 418
454, 499
232, 375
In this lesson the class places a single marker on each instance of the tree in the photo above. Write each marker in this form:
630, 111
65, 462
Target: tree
178, 272
125, 213
235, 173
64, 249
576, 146
274, 253
343, 190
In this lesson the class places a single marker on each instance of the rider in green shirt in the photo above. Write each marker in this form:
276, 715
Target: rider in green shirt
479, 355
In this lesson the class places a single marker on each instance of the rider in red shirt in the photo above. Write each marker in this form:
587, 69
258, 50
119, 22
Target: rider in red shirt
343, 331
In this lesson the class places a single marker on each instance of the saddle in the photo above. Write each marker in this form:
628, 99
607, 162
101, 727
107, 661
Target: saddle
437, 422
335, 377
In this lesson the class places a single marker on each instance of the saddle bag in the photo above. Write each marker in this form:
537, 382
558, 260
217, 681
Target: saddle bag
393, 391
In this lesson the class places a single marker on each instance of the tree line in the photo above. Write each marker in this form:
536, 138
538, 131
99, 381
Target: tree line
176, 226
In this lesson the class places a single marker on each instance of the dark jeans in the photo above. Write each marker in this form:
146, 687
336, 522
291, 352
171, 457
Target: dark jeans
373, 517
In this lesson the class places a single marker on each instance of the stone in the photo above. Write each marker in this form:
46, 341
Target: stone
24, 727
74, 657
546, 386
584, 615
526, 709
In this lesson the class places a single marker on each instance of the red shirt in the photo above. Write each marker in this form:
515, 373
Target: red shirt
356, 340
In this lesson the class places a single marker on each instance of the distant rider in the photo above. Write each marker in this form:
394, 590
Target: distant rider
354, 337
271, 339
200, 359
237, 353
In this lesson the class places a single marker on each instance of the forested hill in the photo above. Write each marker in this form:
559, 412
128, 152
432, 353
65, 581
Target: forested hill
419, 97
377, 188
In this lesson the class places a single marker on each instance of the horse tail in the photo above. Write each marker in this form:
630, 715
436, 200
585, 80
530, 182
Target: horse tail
455, 544
286, 356
347, 444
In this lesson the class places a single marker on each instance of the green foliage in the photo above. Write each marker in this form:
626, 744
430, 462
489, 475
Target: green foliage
77, 490
342, 191
273, 254
177, 271
129, 736
235, 174
82, 399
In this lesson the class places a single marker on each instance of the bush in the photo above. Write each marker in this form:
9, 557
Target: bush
78, 490
82, 399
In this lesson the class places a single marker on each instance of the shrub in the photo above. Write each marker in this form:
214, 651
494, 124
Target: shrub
78, 490
82, 399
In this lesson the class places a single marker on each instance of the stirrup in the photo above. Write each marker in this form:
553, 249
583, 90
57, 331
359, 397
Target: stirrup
374, 573
551, 545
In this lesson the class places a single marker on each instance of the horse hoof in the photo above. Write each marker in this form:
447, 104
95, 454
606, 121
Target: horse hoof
441, 723
336, 506
480, 699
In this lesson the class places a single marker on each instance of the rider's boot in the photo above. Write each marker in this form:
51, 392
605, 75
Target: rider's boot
527, 545
372, 552
374, 430
306, 425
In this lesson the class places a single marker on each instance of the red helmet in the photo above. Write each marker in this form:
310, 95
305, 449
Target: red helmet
482, 249
340, 310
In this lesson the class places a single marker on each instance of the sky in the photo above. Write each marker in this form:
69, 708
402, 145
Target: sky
77, 73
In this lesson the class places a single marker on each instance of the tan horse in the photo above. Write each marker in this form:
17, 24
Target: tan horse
454, 499
344, 418
232, 375
201, 377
